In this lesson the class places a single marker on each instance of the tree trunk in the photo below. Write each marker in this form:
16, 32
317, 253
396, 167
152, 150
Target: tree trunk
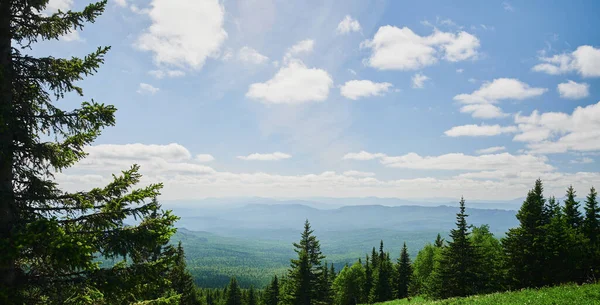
7, 199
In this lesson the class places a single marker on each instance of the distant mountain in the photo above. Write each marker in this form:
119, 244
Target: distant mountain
267, 220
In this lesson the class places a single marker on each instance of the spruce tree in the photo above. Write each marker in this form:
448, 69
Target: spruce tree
459, 262
382, 289
591, 230
368, 285
524, 245
51, 240
233, 296
251, 298
271, 294
439, 241
305, 271
572, 214
403, 274
181, 280
374, 258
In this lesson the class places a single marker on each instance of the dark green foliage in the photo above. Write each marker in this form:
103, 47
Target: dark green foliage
52, 240
271, 295
403, 274
182, 281
591, 230
382, 289
458, 268
439, 241
305, 274
251, 298
524, 245
233, 295
368, 285
349, 284
491, 269
571, 210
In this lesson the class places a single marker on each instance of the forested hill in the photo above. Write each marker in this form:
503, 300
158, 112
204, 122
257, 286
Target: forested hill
260, 218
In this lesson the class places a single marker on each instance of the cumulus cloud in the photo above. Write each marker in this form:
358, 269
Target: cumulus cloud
147, 89
491, 150
347, 25
121, 3
395, 48
479, 130
584, 160
276, 156
362, 155
418, 80
503, 177
559, 132
356, 89
573, 90
184, 34
585, 60
480, 102
303, 46
204, 158
250, 55
293, 84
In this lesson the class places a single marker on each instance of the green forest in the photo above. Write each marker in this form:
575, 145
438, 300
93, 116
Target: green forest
61, 247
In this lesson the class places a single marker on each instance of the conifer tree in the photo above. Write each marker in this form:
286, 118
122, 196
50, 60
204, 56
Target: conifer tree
403, 274
51, 239
182, 281
271, 295
305, 271
251, 298
572, 214
524, 245
233, 296
374, 259
382, 289
459, 262
439, 241
591, 230
368, 285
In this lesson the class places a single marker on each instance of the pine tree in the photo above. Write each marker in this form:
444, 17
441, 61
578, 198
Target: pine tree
251, 298
305, 271
233, 295
403, 274
591, 230
51, 239
182, 281
572, 214
382, 280
439, 241
368, 285
524, 245
459, 262
271, 295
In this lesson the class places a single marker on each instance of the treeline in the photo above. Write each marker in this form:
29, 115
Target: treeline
554, 244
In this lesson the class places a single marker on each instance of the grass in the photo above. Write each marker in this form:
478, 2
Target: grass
567, 295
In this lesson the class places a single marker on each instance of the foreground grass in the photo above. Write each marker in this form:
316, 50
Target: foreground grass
567, 295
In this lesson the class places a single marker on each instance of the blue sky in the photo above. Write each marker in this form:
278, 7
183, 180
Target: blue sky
344, 98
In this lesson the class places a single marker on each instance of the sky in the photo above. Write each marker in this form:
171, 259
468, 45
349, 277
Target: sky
293, 99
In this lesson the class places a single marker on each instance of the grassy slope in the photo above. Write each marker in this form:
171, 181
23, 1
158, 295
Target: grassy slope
567, 295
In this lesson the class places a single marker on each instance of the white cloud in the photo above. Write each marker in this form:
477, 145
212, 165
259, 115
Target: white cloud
459, 161
184, 33
362, 155
303, 46
479, 130
54, 6
460, 70
490, 150
147, 88
121, 3
508, 7
347, 25
166, 73
250, 55
293, 84
354, 173
584, 160
352, 71
356, 89
558, 132
276, 156
401, 49
585, 60
572, 90
479, 102
204, 158
505, 175
418, 80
